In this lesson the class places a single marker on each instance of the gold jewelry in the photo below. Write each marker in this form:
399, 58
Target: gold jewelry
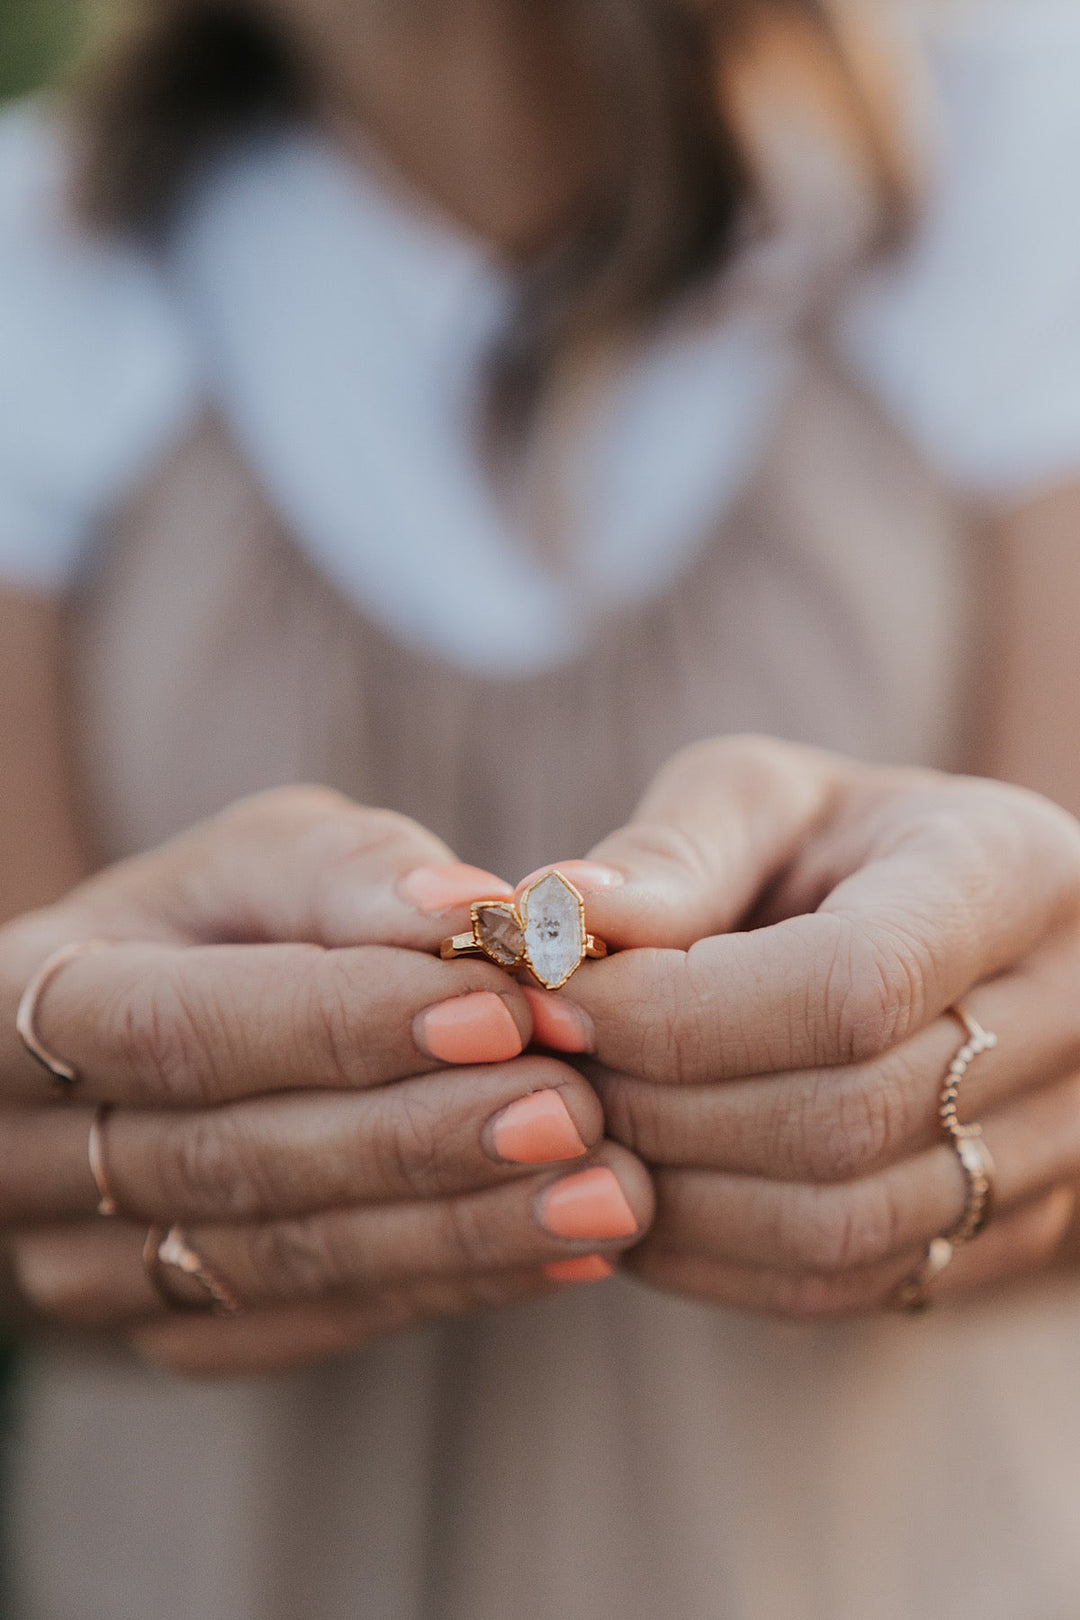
975, 1162
170, 1251
967, 1140
26, 1016
978, 1168
545, 932
912, 1295
95, 1152
978, 1041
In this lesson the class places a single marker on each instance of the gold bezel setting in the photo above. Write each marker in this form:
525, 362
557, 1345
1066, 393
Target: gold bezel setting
478, 941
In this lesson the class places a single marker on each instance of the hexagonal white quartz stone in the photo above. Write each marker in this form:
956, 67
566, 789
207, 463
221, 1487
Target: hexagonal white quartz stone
554, 929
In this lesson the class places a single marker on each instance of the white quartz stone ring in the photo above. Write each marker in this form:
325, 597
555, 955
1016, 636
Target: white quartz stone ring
545, 932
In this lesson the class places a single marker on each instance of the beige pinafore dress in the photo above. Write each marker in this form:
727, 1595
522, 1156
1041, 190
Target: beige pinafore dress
610, 1454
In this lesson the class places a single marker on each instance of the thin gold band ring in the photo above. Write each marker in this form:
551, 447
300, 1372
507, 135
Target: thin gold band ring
95, 1152
64, 1075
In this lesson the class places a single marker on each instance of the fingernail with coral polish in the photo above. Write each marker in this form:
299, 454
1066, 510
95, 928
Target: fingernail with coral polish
538, 1129
476, 1028
583, 1268
432, 889
584, 875
557, 1023
588, 1205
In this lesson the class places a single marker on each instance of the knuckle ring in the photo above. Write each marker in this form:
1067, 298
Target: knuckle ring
912, 1295
544, 932
169, 1251
95, 1152
975, 1161
63, 1074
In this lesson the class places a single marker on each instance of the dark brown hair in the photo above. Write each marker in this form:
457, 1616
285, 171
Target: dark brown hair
675, 177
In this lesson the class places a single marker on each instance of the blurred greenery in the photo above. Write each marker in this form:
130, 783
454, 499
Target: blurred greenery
36, 38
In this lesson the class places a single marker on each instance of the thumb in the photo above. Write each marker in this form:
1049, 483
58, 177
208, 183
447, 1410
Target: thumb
300, 864
719, 823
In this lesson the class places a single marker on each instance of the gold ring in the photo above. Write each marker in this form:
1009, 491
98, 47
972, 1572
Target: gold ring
95, 1152
975, 1161
545, 932
912, 1295
967, 1140
165, 1251
978, 1168
26, 1016
978, 1041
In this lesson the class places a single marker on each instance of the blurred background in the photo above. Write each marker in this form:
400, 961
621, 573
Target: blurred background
37, 39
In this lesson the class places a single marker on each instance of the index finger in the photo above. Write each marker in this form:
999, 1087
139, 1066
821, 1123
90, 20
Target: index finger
189, 1026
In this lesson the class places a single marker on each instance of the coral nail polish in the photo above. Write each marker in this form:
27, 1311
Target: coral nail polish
432, 889
476, 1028
538, 1129
590, 1204
557, 1023
583, 1268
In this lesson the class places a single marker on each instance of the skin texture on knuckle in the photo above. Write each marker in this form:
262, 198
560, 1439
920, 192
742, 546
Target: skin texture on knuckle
294, 1259
875, 990
330, 1011
838, 1229
406, 1144
469, 1241
636, 1114
678, 1043
849, 1123
152, 1034
204, 1167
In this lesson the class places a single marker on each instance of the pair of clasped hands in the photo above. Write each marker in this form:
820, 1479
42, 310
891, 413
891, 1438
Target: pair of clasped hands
738, 1105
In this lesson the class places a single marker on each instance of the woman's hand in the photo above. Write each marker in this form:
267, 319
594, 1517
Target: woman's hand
288, 1097
779, 1059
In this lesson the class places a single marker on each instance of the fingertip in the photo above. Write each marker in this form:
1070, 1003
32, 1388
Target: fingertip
590, 877
433, 890
477, 1027
584, 1268
558, 1023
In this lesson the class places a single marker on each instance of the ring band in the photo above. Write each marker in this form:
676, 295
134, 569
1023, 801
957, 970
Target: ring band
95, 1152
978, 1168
165, 1251
967, 1140
974, 1159
978, 1041
912, 1295
26, 1017
545, 932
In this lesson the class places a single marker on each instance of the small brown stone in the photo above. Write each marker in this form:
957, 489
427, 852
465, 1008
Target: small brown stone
499, 931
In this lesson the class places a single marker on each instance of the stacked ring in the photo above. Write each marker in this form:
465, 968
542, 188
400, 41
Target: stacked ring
545, 932
975, 1162
95, 1152
64, 1075
165, 1251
